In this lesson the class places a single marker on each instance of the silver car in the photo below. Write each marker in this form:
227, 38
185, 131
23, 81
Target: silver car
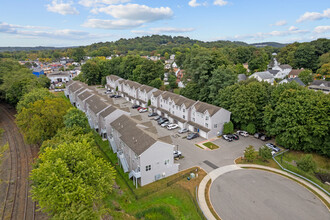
183, 130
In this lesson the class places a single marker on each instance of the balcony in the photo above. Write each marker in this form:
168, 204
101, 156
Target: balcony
136, 173
113, 144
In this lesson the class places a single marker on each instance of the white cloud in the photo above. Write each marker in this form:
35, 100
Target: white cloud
220, 2
57, 6
193, 3
312, 16
95, 3
279, 23
293, 28
120, 24
25, 31
160, 30
322, 29
137, 12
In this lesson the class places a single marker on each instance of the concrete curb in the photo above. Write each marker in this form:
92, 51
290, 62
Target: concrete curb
225, 169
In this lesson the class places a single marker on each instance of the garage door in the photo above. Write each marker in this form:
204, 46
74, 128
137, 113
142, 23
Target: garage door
202, 134
191, 128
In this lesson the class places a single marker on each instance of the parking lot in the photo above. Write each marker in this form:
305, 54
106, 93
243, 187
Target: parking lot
193, 155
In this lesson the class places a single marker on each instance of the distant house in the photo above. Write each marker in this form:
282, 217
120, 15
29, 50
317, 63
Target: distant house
57, 77
294, 73
38, 72
296, 79
263, 76
320, 85
144, 157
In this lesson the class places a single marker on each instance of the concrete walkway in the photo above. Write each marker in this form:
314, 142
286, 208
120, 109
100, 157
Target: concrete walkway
225, 169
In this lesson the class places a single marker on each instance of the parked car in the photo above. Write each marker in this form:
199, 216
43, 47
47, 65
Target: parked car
143, 110
157, 117
112, 96
227, 138
177, 154
192, 136
273, 147
152, 114
165, 124
107, 92
162, 121
243, 133
138, 108
117, 96
172, 126
183, 130
265, 138
235, 136
258, 135
135, 106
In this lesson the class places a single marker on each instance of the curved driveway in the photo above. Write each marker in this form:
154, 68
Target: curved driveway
258, 194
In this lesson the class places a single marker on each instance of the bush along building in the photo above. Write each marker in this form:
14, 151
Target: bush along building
144, 155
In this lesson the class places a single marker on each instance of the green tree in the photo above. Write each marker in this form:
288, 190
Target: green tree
78, 54
190, 91
265, 153
307, 163
33, 96
259, 61
75, 117
156, 83
228, 127
324, 70
43, 81
42, 119
249, 153
306, 76
172, 81
70, 178
305, 57
251, 128
92, 72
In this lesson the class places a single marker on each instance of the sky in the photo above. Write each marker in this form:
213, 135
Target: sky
83, 22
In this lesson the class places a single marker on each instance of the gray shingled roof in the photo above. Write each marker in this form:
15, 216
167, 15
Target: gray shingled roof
320, 82
285, 66
202, 107
241, 77
157, 93
137, 140
133, 84
295, 72
114, 77
262, 75
146, 88
273, 72
75, 86
84, 95
95, 104
108, 111
297, 80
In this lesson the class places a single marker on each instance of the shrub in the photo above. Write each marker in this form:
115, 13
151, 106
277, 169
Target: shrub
251, 128
307, 163
265, 153
228, 128
249, 153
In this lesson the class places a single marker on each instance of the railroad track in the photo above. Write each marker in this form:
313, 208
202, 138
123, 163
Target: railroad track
17, 204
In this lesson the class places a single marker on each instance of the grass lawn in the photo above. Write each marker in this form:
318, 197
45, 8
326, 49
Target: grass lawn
211, 146
289, 162
259, 161
155, 200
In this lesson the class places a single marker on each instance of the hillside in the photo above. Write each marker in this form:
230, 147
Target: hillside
271, 44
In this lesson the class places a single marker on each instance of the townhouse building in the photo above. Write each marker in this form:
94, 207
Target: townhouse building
145, 158
94, 106
144, 95
130, 90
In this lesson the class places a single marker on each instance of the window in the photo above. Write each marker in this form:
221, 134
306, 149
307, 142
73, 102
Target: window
184, 110
167, 162
206, 117
184, 117
206, 125
215, 125
177, 107
193, 119
148, 167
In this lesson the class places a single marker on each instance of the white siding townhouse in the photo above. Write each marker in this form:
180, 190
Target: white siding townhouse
106, 117
208, 119
82, 98
130, 90
144, 95
145, 158
112, 82
94, 106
